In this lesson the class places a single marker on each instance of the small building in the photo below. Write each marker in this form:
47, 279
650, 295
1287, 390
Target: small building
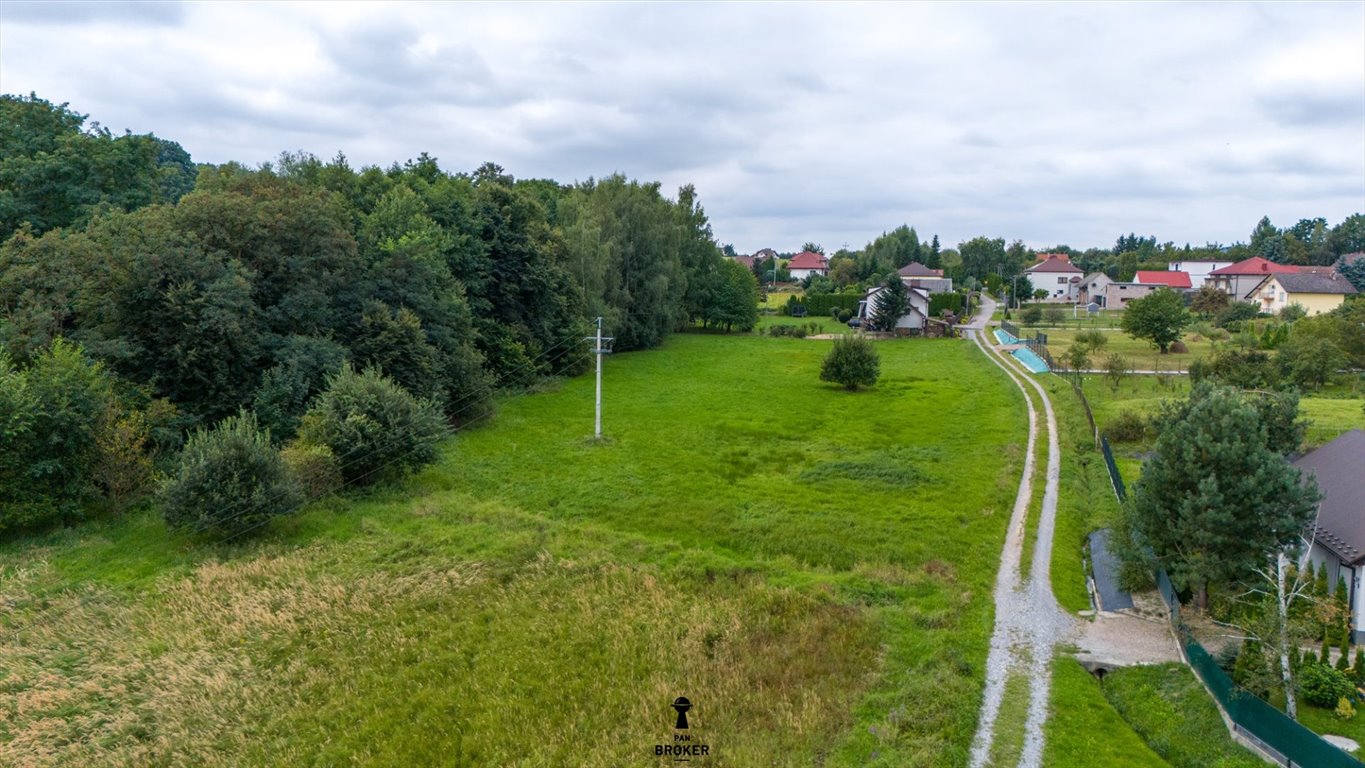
1058, 276
1316, 292
1338, 533
1197, 270
1092, 288
806, 264
1177, 281
1117, 295
1238, 279
916, 310
916, 275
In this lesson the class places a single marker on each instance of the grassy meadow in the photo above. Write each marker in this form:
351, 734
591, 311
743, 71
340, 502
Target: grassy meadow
812, 568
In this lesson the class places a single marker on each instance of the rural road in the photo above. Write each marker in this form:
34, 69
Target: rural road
1029, 623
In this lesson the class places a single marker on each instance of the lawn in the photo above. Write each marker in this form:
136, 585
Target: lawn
1175, 716
1084, 730
812, 568
1141, 355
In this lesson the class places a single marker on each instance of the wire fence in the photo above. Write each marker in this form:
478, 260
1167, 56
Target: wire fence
1278, 736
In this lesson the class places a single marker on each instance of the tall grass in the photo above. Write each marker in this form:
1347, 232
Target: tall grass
811, 567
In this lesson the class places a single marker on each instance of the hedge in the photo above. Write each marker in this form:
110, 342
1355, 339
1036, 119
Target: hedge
819, 304
941, 301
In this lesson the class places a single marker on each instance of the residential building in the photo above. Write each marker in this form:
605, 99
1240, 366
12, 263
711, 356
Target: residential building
1117, 295
1092, 288
1238, 279
1197, 270
916, 311
1314, 291
916, 275
1058, 276
1178, 281
1338, 532
806, 264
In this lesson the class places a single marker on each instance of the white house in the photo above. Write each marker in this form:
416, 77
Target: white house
1058, 276
807, 263
916, 310
1092, 288
1338, 533
1197, 270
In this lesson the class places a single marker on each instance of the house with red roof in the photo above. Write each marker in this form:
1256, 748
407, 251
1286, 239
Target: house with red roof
1198, 270
1241, 278
806, 264
1179, 281
1058, 276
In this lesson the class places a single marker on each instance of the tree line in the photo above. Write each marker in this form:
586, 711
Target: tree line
184, 294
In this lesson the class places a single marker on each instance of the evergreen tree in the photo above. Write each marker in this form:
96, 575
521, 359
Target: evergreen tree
1214, 498
890, 303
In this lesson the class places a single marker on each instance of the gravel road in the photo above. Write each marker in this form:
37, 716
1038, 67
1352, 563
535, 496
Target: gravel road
1029, 623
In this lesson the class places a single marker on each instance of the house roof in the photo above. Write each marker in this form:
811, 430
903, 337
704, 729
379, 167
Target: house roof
1254, 266
1312, 282
1046, 256
1055, 265
1093, 276
765, 253
808, 260
1171, 279
747, 261
1350, 258
1339, 468
916, 269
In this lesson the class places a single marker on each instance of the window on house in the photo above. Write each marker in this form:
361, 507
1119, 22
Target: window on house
1061, 281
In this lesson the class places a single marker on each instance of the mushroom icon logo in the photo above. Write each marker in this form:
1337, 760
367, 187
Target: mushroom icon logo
682, 705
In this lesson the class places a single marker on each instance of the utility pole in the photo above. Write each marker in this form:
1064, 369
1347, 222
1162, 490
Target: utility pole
599, 349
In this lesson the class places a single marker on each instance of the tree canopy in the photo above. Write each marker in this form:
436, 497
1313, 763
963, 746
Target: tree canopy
1159, 317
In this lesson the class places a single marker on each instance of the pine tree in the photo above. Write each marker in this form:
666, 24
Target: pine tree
889, 304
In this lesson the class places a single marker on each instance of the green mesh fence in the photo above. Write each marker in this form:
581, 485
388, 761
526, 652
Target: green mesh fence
1290, 741
1114, 475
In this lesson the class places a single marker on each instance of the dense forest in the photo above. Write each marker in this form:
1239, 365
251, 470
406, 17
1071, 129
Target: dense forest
143, 297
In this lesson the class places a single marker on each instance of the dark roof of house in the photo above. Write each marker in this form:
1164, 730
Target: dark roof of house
765, 253
1167, 278
916, 269
1350, 258
747, 261
1255, 266
1339, 468
1315, 282
808, 260
1054, 265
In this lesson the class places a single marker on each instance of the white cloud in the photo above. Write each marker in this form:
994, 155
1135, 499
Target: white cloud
833, 122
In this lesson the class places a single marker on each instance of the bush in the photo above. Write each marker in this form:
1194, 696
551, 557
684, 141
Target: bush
1092, 340
1127, 427
1236, 312
314, 467
1054, 315
51, 415
1344, 710
845, 315
372, 425
230, 481
1323, 686
938, 302
797, 331
1246, 369
1031, 315
853, 362
826, 303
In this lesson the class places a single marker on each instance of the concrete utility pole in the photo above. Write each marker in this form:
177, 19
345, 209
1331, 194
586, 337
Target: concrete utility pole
599, 349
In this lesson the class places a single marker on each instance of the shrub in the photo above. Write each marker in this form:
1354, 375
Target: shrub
797, 331
1235, 313
314, 467
1127, 427
853, 362
123, 467
372, 425
845, 315
1323, 686
1031, 315
230, 481
1054, 315
50, 419
1344, 710
1092, 340
1246, 369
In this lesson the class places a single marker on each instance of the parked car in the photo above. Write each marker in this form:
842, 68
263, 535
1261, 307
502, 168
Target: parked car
855, 322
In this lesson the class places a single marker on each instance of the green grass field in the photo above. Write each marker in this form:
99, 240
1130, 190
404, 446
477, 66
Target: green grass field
811, 567
1141, 355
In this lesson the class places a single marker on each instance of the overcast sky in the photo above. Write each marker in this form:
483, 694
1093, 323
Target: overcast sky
1064, 123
